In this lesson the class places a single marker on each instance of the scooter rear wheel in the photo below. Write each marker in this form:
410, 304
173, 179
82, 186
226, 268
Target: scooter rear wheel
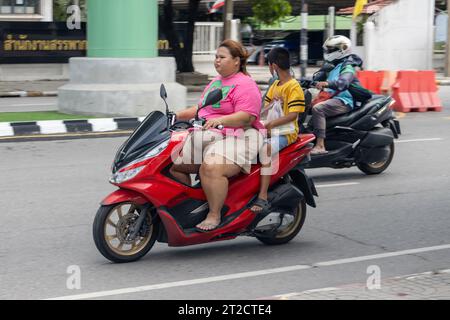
291, 231
377, 167
111, 231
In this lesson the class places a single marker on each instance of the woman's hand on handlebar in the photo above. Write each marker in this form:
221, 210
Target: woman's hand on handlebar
213, 123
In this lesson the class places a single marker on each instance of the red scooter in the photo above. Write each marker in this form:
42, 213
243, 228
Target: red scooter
151, 205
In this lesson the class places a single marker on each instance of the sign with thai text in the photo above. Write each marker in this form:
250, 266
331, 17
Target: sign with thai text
53, 42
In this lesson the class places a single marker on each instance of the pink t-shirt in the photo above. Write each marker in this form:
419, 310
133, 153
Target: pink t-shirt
240, 93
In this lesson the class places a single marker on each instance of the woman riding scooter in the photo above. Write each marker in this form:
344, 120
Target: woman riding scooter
222, 157
334, 79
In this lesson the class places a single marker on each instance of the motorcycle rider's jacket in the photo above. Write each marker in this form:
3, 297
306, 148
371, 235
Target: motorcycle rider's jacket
342, 80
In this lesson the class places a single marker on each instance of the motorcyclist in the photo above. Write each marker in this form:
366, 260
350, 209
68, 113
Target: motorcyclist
335, 79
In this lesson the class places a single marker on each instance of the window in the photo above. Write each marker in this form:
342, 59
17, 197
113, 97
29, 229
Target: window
19, 6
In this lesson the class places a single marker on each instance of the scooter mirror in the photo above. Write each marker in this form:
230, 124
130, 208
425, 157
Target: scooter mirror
162, 92
213, 97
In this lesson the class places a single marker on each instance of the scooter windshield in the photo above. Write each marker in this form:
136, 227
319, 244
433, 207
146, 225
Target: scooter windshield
150, 133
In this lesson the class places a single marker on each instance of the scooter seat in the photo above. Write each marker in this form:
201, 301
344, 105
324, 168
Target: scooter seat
347, 119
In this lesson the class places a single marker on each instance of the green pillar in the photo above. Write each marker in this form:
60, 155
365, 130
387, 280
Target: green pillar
122, 28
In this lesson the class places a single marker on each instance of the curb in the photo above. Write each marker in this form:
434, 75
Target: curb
28, 94
48, 127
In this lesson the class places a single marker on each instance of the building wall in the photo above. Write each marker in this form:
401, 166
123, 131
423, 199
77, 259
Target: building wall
45, 13
400, 36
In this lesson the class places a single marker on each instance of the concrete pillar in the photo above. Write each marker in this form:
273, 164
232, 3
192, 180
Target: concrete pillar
122, 74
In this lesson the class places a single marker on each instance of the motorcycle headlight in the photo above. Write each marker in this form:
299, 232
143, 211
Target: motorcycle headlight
123, 176
152, 153
157, 150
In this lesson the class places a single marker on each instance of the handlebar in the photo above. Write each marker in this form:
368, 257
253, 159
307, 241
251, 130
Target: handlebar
201, 122
193, 123
307, 83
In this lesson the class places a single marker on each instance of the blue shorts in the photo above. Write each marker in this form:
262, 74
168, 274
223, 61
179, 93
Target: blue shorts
277, 143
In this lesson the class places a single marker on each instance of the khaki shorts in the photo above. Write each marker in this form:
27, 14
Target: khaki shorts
241, 150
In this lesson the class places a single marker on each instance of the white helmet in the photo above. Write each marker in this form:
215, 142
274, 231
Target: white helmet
336, 48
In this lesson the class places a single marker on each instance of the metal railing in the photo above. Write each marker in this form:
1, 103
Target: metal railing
207, 36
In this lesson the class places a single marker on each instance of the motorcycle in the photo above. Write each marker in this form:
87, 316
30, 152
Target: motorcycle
363, 137
151, 205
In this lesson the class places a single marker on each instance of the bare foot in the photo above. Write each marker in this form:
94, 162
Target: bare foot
210, 223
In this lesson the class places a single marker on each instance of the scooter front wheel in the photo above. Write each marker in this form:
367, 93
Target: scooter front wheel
290, 231
112, 231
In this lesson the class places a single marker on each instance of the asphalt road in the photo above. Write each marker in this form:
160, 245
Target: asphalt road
50, 191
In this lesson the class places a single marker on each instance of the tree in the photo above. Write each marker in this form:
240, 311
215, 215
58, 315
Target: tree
265, 11
270, 11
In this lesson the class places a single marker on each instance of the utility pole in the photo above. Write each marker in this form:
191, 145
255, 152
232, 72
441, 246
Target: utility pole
331, 20
227, 17
447, 47
304, 40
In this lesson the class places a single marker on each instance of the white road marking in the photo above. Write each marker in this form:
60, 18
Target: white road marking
336, 185
419, 140
250, 274
381, 256
183, 283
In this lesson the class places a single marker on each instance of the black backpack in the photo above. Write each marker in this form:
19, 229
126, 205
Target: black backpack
359, 93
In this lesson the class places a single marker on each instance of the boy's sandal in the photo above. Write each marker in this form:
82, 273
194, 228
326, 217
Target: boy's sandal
263, 204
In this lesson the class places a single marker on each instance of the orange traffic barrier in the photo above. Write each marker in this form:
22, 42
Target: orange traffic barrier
389, 79
371, 80
416, 91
